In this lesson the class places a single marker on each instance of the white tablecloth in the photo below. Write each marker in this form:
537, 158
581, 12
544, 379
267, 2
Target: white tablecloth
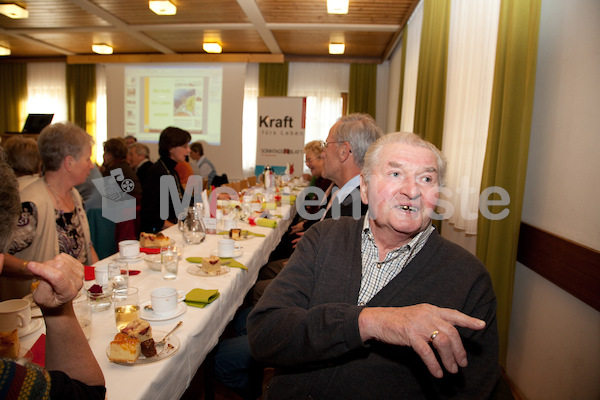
169, 378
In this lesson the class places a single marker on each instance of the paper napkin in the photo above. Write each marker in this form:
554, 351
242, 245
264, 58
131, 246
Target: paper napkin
269, 223
201, 297
89, 272
39, 351
230, 262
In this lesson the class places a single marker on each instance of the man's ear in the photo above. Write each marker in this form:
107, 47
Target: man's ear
363, 190
345, 151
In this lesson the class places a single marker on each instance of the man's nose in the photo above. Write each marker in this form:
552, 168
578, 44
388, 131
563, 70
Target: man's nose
410, 188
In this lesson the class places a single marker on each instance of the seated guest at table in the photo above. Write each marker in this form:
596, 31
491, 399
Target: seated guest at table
130, 139
205, 168
363, 307
72, 371
312, 152
24, 158
53, 219
343, 158
173, 148
115, 165
139, 159
104, 245
184, 170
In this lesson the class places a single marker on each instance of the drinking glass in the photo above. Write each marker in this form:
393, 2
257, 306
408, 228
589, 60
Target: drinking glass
169, 259
118, 276
83, 312
127, 307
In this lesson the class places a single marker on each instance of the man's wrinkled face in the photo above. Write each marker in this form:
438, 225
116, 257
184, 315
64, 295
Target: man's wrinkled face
403, 189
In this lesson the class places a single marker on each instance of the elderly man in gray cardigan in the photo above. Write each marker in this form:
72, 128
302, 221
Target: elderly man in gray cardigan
382, 307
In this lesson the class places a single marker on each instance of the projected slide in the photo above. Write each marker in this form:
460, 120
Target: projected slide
186, 97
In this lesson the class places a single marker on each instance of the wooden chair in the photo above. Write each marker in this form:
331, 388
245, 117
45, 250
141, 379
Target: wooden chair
244, 184
252, 180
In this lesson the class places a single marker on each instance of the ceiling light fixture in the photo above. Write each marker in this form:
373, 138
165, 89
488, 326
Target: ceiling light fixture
212, 47
4, 51
102, 49
337, 6
14, 11
162, 7
337, 48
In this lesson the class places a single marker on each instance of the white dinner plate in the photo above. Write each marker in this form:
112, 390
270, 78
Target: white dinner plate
34, 325
169, 349
197, 270
149, 315
237, 253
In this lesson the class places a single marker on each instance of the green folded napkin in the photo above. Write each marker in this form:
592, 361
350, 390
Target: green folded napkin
269, 223
201, 297
226, 261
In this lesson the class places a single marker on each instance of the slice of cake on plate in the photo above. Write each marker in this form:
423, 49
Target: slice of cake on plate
154, 240
211, 265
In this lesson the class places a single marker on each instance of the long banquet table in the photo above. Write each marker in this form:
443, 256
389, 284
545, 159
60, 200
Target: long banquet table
202, 327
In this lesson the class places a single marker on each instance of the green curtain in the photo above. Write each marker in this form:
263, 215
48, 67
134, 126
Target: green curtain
273, 79
362, 91
13, 96
507, 148
401, 88
431, 81
81, 96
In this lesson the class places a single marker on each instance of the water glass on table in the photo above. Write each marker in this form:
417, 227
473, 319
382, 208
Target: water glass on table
169, 258
118, 276
127, 307
83, 311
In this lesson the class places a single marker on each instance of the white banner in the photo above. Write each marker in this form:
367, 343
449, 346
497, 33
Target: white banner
280, 133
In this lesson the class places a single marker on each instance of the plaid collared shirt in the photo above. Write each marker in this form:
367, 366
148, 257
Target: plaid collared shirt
375, 274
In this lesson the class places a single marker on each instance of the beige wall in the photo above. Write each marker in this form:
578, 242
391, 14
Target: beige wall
554, 343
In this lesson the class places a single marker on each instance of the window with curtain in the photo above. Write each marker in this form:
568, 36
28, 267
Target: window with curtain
470, 74
321, 83
411, 67
46, 90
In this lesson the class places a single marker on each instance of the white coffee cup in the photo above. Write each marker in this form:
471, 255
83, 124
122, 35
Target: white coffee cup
227, 247
14, 314
129, 248
165, 300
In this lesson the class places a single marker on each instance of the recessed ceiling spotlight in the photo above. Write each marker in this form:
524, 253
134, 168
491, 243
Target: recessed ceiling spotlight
212, 47
4, 51
162, 7
102, 49
14, 11
337, 6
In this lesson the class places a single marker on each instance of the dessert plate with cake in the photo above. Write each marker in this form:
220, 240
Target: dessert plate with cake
134, 345
207, 267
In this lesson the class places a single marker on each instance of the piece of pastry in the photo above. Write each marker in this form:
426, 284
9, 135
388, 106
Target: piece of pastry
139, 329
148, 348
9, 344
235, 233
154, 240
211, 265
124, 348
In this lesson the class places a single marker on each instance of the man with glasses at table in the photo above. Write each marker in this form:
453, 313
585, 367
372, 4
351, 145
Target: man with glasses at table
382, 307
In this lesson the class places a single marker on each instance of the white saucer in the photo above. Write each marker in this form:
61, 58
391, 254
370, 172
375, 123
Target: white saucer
138, 258
34, 325
236, 253
150, 316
